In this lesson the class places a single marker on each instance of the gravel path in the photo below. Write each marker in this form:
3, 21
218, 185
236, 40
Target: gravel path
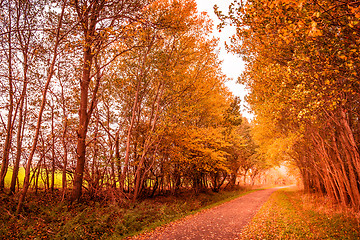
222, 222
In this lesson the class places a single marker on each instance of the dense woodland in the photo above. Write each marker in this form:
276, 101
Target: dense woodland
125, 99
303, 70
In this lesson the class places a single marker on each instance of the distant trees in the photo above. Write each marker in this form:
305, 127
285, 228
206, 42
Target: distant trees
303, 71
126, 97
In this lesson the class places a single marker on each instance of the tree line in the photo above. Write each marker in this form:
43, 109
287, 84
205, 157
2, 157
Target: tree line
303, 71
124, 98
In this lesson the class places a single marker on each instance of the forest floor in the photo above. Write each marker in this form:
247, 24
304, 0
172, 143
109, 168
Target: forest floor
45, 216
238, 214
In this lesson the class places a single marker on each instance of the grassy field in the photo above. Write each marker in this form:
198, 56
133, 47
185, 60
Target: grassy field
21, 175
46, 217
289, 214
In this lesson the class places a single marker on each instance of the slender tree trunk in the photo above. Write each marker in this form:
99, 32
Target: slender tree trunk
327, 171
117, 155
88, 16
64, 142
351, 145
19, 135
39, 118
65, 160
47, 179
24, 44
148, 141
20, 127
95, 173
125, 167
351, 154
83, 124
37, 174
344, 185
112, 159
84, 117
9, 127
52, 151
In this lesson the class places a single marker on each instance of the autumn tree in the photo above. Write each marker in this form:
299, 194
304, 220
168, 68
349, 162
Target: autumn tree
132, 99
172, 86
100, 22
49, 75
302, 68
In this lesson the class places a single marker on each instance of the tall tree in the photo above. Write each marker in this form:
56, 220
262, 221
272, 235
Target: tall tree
10, 107
303, 70
50, 74
100, 22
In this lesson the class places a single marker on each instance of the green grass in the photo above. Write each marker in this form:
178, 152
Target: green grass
45, 217
8, 177
21, 176
290, 215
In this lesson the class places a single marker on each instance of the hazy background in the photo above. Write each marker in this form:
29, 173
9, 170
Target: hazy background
232, 65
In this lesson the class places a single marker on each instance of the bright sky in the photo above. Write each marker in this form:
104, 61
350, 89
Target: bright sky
232, 65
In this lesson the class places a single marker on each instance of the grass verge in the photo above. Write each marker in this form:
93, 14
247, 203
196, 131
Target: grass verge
46, 218
288, 214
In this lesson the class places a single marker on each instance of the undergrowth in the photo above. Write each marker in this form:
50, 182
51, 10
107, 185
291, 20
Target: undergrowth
289, 214
45, 217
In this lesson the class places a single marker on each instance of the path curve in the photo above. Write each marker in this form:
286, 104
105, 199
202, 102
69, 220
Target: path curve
222, 222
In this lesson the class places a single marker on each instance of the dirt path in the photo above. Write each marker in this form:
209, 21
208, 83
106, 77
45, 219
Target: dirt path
222, 222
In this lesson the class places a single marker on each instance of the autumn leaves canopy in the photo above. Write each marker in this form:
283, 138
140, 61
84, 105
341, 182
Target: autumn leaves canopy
303, 71
132, 99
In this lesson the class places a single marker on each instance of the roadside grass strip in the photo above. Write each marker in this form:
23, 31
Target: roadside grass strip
289, 214
46, 218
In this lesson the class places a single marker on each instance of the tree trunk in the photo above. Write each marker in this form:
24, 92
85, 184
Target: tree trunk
19, 135
24, 44
125, 167
148, 142
117, 155
52, 151
9, 126
83, 124
88, 16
